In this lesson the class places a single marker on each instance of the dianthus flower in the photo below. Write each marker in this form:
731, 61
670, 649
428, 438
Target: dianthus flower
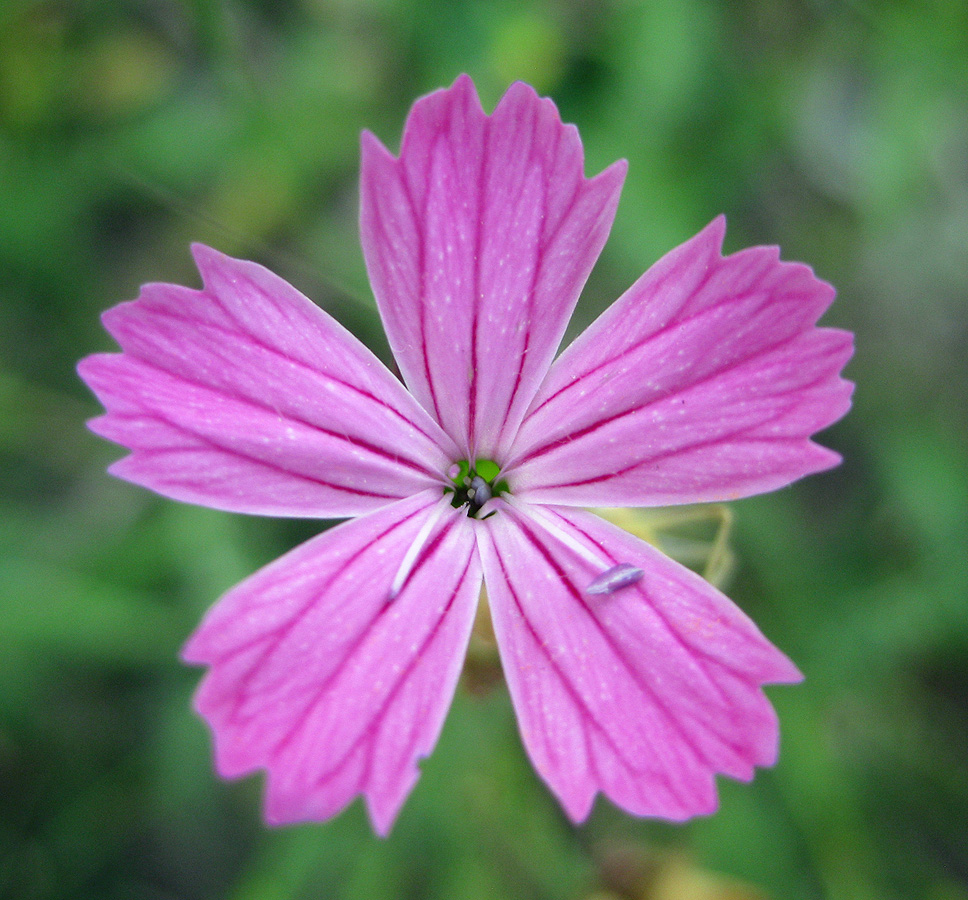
333, 667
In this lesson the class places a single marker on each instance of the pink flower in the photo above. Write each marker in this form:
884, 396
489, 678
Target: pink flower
333, 667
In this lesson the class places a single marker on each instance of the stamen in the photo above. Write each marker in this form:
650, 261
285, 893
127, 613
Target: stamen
479, 492
410, 557
614, 579
536, 512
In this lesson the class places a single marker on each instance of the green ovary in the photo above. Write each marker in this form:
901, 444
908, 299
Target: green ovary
474, 484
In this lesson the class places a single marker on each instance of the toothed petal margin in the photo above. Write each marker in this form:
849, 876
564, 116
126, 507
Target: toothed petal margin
321, 679
643, 694
478, 240
248, 397
703, 382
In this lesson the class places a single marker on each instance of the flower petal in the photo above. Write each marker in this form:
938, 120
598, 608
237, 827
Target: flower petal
478, 240
704, 382
324, 681
643, 692
246, 396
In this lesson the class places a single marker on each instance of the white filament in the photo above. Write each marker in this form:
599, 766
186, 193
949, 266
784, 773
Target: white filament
612, 577
410, 557
579, 549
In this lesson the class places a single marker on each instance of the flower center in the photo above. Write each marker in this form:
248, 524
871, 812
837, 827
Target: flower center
474, 484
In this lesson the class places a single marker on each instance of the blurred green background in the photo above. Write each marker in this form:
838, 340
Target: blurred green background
838, 130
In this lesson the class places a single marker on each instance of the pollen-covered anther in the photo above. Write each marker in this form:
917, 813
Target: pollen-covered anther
614, 579
479, 491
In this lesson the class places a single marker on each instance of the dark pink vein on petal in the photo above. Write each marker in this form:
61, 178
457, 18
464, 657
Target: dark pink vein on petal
326, 375
724, 438
683, 389
354, 645
636, 677
531, 151
673, 633
395, 689
255, 404
416, 217
232, 451
279, 635
566, 682
476, 298
576, 700
418, 225
282, 632
544, 241
673, 322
